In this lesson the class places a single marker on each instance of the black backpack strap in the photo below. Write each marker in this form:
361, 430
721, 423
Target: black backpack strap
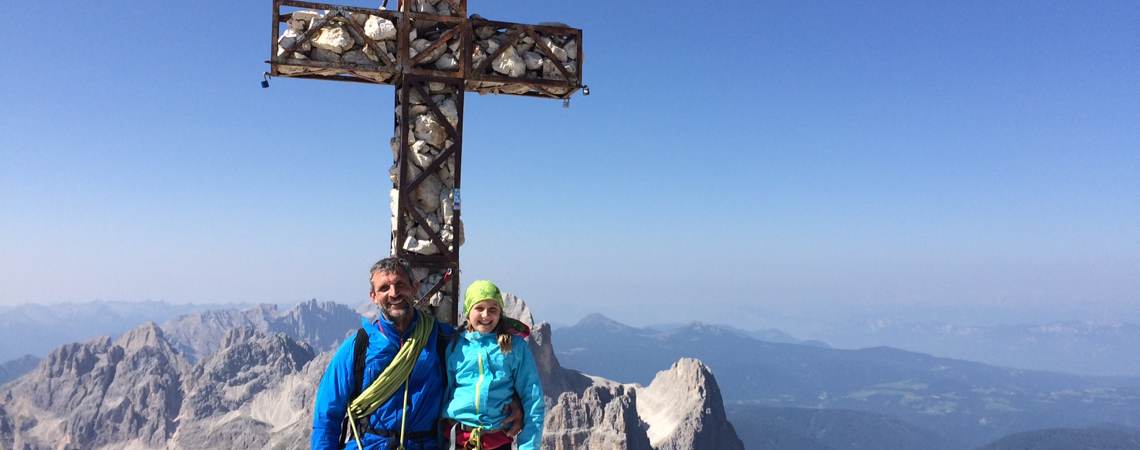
359, 353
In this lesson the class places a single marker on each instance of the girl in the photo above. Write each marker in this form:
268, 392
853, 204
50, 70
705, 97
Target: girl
488, 363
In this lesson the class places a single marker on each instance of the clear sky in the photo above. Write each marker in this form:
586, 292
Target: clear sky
758, 156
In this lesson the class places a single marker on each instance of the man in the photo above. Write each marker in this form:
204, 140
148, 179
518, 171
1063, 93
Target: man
400, 407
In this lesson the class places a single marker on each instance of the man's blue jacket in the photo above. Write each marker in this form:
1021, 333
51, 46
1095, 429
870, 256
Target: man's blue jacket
425, 389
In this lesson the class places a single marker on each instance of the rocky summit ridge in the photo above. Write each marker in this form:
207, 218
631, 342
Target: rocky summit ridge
245, 379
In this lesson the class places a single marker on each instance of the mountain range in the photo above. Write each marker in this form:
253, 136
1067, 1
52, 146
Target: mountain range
244, 379
36, 329
973, 402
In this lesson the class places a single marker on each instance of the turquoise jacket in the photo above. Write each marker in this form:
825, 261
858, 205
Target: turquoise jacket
483, 379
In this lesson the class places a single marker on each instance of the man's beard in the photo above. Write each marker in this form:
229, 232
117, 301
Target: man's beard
397, 313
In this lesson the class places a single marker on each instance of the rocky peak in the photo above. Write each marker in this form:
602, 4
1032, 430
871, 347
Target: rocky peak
517, 309
143, 337
320, 324
248, 362
98, 393
684, 409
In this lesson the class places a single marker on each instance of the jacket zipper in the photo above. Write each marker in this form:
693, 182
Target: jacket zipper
479, 384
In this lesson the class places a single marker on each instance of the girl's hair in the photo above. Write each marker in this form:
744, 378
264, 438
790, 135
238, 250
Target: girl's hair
502, 333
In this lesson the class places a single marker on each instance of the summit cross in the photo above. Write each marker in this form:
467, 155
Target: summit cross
432, 53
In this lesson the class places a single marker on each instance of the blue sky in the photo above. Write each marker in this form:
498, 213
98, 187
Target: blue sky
756, 159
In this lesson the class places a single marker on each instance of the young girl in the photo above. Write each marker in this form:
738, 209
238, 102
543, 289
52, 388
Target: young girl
487, 364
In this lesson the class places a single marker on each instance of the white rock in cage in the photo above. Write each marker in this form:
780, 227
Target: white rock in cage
432, 222
478, 56
306, 16
379, 29
447, 62
572, 49
449, 110
509, 63
371, 54
356, 57
334, 39
420, 45
358, 18
446, 175
423, 153
394, 205
533, 60
422, 6
296, 24
491, 46
422, 247
288, 39
427, 193
557, 51
320, 54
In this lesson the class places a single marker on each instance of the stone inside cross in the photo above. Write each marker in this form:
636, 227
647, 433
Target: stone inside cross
432, 53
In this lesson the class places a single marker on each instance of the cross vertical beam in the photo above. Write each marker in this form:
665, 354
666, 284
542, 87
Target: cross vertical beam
433, 54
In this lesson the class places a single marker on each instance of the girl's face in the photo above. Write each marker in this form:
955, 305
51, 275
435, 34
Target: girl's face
484, 316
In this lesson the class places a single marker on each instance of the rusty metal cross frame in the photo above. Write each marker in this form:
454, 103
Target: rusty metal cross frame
437, 53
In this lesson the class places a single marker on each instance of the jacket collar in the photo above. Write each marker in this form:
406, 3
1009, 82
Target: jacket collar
388, 327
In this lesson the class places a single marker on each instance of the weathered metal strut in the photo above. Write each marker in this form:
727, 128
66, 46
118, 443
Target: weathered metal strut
426, 230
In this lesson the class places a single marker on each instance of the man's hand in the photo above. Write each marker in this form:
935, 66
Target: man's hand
513, 410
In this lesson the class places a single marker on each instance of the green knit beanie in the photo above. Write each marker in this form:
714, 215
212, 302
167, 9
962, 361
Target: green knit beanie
479, 291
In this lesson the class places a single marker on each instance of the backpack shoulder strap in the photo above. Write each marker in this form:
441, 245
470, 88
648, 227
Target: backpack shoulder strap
359, 354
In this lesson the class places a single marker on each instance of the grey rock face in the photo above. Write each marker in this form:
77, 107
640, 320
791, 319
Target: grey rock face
248, 362
684, 410
604, 416
100, 393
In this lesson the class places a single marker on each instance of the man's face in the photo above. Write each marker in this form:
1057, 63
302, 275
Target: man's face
394, 294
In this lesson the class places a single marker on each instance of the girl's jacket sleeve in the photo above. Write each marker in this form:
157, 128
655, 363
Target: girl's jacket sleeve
529, 388
332, 398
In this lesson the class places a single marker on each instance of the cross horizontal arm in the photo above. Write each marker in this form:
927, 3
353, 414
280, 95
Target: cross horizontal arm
382, 46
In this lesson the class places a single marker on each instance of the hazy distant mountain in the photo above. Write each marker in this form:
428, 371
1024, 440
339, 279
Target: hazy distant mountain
322, 325
975, 402
37, 329
1092, 438
766, 334
15, 368
775, 428
1085, 347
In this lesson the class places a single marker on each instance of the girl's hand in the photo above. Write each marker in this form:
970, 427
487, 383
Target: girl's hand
513, 410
